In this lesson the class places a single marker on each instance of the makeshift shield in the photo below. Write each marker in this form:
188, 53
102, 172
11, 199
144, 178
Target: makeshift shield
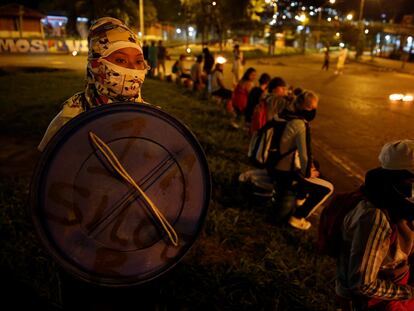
94, 222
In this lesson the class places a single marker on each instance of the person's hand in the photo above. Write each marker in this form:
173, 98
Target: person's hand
314, 173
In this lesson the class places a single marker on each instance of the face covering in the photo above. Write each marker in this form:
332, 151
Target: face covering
118, 82
405, 188
308, 115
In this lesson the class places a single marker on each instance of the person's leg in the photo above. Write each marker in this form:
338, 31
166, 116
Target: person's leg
284, 196
186, 76
317, 190
164, 72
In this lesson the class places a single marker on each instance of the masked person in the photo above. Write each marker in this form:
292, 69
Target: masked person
115, 72
298, 190
375, 260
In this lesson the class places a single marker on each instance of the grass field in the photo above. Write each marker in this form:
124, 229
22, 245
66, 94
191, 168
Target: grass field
240, 262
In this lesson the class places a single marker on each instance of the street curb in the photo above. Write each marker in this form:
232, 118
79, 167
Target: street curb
376, 65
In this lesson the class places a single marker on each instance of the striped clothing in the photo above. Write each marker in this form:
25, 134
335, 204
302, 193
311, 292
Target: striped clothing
369, 264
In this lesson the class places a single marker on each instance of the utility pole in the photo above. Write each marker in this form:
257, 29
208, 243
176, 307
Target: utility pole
361, 10
361, 39
141, 17
21, 12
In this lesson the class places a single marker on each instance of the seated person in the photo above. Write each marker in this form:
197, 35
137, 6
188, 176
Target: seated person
276, 99
242, 90
255, 95
179, 70
295, 171
217, 85
374, 266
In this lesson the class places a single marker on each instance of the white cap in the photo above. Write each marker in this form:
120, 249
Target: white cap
398, 155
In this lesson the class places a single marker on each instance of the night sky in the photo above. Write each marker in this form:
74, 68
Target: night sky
394, 9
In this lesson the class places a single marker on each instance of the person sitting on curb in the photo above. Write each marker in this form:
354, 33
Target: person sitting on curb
115, 71
217, 86
254, 97
242, 90
180, 71
299, 191
276, 98
374, 263
241, 95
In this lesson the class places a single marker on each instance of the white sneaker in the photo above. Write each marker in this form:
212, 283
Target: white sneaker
299, 223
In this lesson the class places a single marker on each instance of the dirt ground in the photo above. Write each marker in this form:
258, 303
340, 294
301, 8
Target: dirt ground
18, 157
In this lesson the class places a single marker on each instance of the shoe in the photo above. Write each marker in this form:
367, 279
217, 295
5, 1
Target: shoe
299, 223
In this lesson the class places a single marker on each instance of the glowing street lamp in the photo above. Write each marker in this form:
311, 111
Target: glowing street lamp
349, 17
302, 18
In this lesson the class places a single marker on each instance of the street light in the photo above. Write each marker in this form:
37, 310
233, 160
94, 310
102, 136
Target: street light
350, 17
302, 18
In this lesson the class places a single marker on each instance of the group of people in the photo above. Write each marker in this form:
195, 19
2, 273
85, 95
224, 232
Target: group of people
156, 55
199, 74
374, 266
377, 243
292, 169
206, 75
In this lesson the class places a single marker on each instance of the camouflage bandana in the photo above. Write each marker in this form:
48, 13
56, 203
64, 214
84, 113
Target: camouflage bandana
107, 35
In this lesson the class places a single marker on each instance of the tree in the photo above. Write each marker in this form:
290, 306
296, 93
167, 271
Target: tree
168, 10
255, 10
217, 18
93, 9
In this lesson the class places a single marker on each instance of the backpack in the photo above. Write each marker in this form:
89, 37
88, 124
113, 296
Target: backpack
264, 147
329, 241
259, 116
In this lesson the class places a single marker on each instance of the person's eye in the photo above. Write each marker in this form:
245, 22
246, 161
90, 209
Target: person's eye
120, 60
140, 63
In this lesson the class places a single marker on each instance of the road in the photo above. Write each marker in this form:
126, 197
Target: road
355, 117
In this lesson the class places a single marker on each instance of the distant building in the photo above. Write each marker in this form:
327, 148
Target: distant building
17, 21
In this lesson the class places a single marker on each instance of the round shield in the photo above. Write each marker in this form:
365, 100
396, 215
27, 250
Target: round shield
101, 226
